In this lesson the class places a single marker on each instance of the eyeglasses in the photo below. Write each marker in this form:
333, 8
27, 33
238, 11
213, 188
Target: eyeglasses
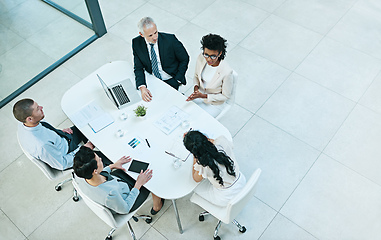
213, 57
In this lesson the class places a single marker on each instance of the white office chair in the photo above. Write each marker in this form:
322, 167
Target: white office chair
227, 213
50, 172
231, 100
113, 220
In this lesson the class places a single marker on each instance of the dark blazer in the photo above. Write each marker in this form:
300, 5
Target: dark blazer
173, 56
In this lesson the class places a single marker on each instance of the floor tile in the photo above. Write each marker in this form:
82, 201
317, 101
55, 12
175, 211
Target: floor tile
282, 228
283, 159
239, 19
26, 19
359, 28
81, 10
74, 220
7, 5
106, 49
235, 119
340, 68
307, 111
128, 29
185, 9
31, 58
8, 229
69, 4
8, 39
268, 5
372, 5
152, 233
114, 11
8, 139
65, 33
281, 41
317, 15
333, 202
356, 144
258, 78
372, 98
42, 199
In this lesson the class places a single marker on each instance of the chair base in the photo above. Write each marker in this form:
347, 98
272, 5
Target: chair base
58, 187
201, 218
147, 219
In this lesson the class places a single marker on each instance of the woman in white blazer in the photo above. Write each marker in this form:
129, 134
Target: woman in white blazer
213, 77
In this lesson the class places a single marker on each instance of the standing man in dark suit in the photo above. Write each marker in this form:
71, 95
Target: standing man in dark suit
160, 54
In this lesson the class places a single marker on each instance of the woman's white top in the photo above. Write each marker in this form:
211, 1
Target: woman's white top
221, 143
210, 189
208, 74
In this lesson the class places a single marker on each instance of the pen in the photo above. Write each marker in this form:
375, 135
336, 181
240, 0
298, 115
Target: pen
147, 143
171, 154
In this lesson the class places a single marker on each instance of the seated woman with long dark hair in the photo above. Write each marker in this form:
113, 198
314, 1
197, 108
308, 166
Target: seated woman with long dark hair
213, 77
214, 160
114, 190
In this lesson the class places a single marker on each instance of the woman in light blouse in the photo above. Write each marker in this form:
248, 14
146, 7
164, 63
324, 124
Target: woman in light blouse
214, 162
113, 189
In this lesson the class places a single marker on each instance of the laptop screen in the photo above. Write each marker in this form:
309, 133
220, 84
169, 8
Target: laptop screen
106, 89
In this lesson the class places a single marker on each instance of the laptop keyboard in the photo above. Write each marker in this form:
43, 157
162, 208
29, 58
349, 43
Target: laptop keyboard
120, 94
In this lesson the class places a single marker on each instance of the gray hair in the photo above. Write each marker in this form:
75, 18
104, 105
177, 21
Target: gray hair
145, 22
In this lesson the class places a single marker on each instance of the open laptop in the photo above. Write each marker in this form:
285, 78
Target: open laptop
122, 94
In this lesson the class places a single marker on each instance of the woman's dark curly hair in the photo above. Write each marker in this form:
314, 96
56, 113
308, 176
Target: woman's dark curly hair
207, 154
214, 42
85, 163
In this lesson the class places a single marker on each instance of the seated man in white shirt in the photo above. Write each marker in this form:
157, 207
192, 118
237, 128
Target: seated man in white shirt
42, 141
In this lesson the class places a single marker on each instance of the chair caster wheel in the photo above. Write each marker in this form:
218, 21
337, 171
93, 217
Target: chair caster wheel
217, 238
148, 220
243, 229
201, 218
75, 199
108, 238
58, 188
135, 218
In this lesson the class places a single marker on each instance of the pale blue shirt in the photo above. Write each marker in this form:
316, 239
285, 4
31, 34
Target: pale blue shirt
46, 145
113, 194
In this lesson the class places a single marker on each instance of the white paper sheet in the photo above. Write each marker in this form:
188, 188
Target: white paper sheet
171, 120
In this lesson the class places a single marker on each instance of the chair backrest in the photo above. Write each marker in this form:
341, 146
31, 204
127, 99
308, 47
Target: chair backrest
236, 204
49, 172
231, 100
102, 212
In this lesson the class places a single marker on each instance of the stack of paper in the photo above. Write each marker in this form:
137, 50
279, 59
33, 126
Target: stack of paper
93, 115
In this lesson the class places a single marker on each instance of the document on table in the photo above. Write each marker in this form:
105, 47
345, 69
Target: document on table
93, 115
170, 120
101, 122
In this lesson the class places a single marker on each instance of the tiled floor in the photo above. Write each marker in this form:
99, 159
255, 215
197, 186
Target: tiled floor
308, 112
29, 43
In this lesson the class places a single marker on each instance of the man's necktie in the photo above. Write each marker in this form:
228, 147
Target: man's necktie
59, 132
155, 68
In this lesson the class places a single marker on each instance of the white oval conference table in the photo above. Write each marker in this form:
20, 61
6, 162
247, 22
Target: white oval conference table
167, 182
